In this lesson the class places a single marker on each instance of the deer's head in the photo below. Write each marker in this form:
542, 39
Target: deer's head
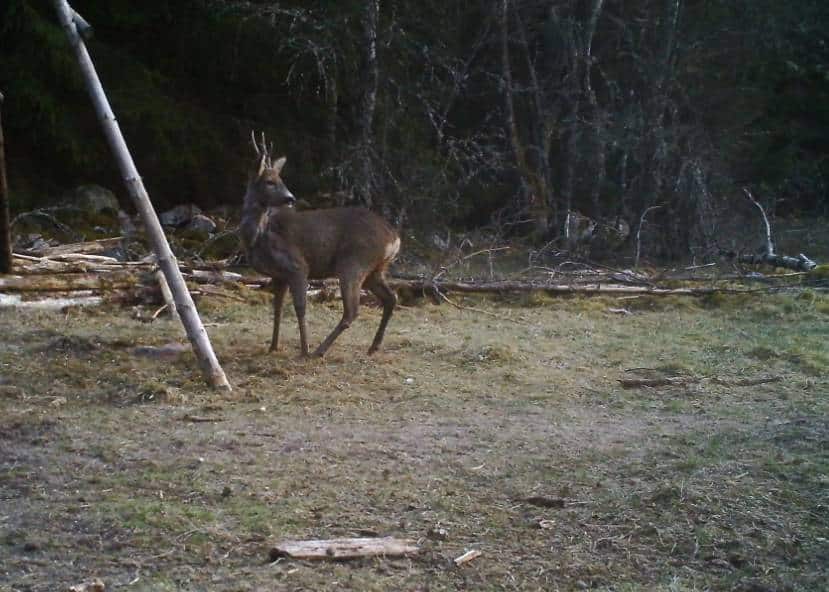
265, 187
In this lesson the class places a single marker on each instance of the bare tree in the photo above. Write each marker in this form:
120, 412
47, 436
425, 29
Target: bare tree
5, 233
368, 106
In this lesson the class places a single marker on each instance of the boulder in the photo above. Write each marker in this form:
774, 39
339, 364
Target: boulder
179, 215
125, 224
94, 199
202, 224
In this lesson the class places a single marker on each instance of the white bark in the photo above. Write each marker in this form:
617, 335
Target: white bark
639, 234
166, 260
345, 548
769, 241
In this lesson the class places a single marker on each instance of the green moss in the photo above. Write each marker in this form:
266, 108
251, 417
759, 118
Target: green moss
821, 272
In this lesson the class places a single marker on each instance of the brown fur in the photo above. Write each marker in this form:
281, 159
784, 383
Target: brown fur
351, 244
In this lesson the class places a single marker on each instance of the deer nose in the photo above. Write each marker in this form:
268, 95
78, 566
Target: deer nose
289, 198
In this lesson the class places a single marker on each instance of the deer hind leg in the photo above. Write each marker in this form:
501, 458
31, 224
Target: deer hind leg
298, 287
376, 283
279, 288
350, 288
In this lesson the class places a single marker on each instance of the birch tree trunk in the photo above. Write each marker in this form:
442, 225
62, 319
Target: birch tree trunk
5, 232
166, 260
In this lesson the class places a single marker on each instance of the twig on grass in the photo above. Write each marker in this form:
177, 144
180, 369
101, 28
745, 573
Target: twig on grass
478, 310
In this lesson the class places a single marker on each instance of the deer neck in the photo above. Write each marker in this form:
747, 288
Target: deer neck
258, 219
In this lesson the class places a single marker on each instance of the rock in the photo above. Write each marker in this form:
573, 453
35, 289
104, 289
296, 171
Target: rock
34, 242
179, 215
202, 224
125, 224
95, 199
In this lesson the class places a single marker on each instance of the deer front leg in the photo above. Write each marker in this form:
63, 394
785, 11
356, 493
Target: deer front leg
279, 288
298, 287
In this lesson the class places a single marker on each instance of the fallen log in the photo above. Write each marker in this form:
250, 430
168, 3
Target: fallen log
345, 548
68, 282
799, 263
769, 256
74, 263
52, 303
656, 382
427, 287
95, 247
81, 298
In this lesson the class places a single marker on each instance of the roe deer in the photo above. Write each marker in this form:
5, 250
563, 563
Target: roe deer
351, 244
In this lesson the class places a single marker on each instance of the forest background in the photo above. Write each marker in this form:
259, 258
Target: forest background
456, 115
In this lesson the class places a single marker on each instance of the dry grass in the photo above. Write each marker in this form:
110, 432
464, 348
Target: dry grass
459, 420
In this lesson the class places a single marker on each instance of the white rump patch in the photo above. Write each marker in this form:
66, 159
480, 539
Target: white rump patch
392, 249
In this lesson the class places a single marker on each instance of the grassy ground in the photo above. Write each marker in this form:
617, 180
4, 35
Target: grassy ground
443, 437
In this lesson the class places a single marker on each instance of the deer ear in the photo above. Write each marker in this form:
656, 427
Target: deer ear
277, 166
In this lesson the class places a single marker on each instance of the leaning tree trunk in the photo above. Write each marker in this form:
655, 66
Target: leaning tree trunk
5, 232
166, 260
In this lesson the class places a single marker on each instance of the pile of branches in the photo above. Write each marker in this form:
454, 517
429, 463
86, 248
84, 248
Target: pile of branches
80, 274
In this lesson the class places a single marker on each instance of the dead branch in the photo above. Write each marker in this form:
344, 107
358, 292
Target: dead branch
748, 381
769, 256
478, 310
200, 418
427, 286
639, 233
686, 380
655, 382
769, 242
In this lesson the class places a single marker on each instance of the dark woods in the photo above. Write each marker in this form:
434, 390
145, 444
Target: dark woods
516, 114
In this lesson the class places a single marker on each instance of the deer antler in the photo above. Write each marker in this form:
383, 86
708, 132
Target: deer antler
265, 149
261, 151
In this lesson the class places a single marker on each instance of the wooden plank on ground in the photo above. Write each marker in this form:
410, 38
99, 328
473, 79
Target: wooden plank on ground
345, 548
